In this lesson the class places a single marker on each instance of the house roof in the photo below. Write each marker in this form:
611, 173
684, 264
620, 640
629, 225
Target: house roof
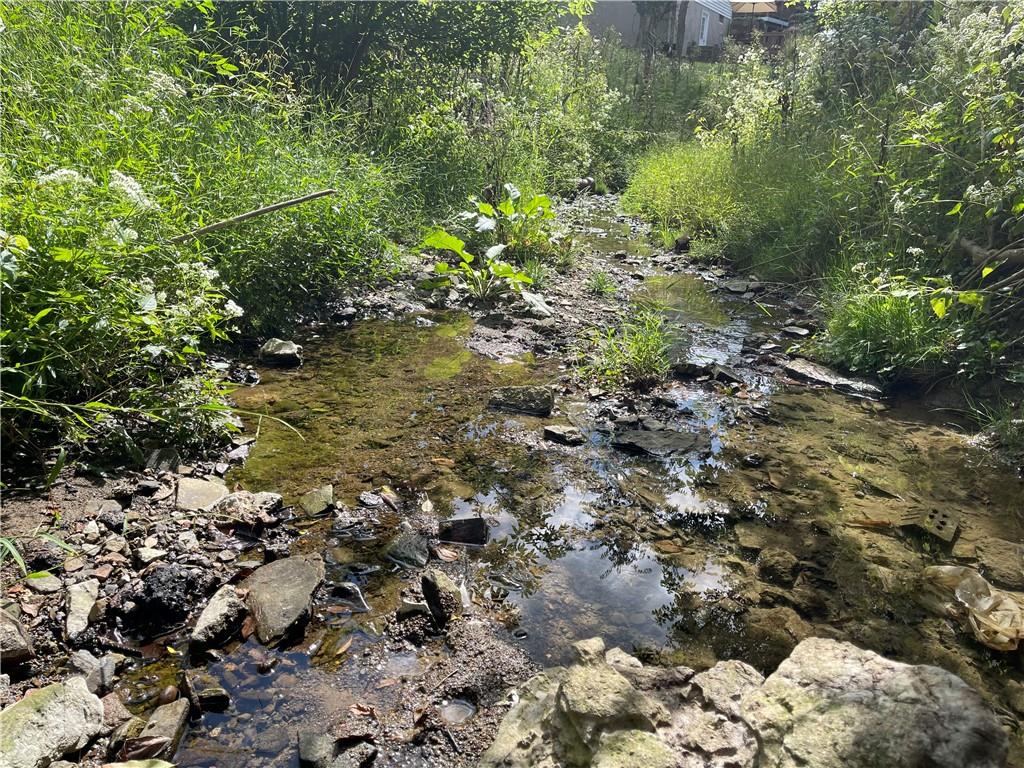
721, 7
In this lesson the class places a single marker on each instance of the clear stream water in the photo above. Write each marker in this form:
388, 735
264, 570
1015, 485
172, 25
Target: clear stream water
655, 555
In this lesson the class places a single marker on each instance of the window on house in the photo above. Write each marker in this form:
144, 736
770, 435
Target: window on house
705, 19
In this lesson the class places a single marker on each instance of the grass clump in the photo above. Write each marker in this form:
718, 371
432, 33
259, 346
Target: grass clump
631, 354
601, 283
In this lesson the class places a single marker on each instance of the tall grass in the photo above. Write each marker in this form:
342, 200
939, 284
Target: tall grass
118, 136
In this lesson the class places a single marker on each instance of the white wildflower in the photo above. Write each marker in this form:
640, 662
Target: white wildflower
131, 190
232, 310
163, 86
64, 177
119, 233
915, 251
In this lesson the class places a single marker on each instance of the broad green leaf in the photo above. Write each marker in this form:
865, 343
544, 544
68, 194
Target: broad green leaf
955, 209
442, 241
971, 298
39, 316
940, 306
986, 271
485, 208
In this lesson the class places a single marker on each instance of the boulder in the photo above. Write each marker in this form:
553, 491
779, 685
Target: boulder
833, 705
81, 601
219, 619
280, 595
286, 354
632, 749
596, 699
49, 723
196, 495
168, 723
534, 401
15, 641
776, 566
442, 596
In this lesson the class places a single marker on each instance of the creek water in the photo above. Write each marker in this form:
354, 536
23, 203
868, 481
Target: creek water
656, 554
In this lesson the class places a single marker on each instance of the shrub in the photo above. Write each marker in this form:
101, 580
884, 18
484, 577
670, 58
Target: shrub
634, 353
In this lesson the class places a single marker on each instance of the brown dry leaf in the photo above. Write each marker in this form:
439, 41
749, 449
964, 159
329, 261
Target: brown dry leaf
30, 609
448, 555
343, 647
363, 710
248, 627
441, 461
387, 682
339, 609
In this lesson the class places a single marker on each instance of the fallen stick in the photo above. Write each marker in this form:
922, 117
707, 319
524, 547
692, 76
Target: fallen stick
249, 215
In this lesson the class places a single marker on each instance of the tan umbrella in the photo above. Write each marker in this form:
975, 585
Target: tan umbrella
760, 6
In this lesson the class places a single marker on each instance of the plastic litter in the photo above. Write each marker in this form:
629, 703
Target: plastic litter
995, 617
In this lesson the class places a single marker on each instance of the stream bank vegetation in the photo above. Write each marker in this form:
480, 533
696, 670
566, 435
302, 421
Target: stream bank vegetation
876, 154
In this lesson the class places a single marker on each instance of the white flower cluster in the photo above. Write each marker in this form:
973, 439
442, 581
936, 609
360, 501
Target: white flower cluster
119, 233
232, 310
64, 177
163, 86
131, 190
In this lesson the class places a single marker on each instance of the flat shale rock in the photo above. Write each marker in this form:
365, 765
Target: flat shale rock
280, 594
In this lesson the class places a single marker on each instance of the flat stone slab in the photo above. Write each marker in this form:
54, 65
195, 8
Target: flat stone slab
806, 370
280, 594
533, 401
196, 495
662, 442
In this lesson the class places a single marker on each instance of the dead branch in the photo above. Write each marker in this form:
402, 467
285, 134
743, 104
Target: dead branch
249, 215
980, 255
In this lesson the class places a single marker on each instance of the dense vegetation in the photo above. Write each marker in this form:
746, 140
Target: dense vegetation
878, 153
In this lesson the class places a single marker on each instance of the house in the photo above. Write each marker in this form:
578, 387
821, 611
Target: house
694, 28
769, 20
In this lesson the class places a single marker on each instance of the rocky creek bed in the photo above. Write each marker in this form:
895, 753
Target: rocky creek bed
457, 509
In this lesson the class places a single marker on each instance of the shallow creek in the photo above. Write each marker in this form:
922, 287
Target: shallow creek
657, 555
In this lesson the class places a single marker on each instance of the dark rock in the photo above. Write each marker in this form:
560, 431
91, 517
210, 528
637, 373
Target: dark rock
280, 595
681, 244
42, 555
564, 433
15, 641
442, 596
147, 487
107, 512
168, 594
286, 354
164, 459
725, 375
659, 443
409, 550
464, 530
534, 401
204, 692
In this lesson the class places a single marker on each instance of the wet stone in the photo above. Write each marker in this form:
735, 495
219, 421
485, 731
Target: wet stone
442, 596
280, 594
350, 594
204, 691
806, 370
534, 401
658, 443
409, 550
777, 566
796, 331
564, 433
167, 722
168, 593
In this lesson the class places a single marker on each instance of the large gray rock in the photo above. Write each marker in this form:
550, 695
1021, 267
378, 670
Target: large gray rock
81, 601
535, 401
280, 352
280, 594
49, 723
15, 641
661, 442
815, 373
833, 705
219, 619
195, 494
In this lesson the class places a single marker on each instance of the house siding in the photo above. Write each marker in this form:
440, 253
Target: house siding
622, 16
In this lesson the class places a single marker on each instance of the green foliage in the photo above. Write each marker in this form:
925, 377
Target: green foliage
600, 283
491, 279
634, 353
522, 225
